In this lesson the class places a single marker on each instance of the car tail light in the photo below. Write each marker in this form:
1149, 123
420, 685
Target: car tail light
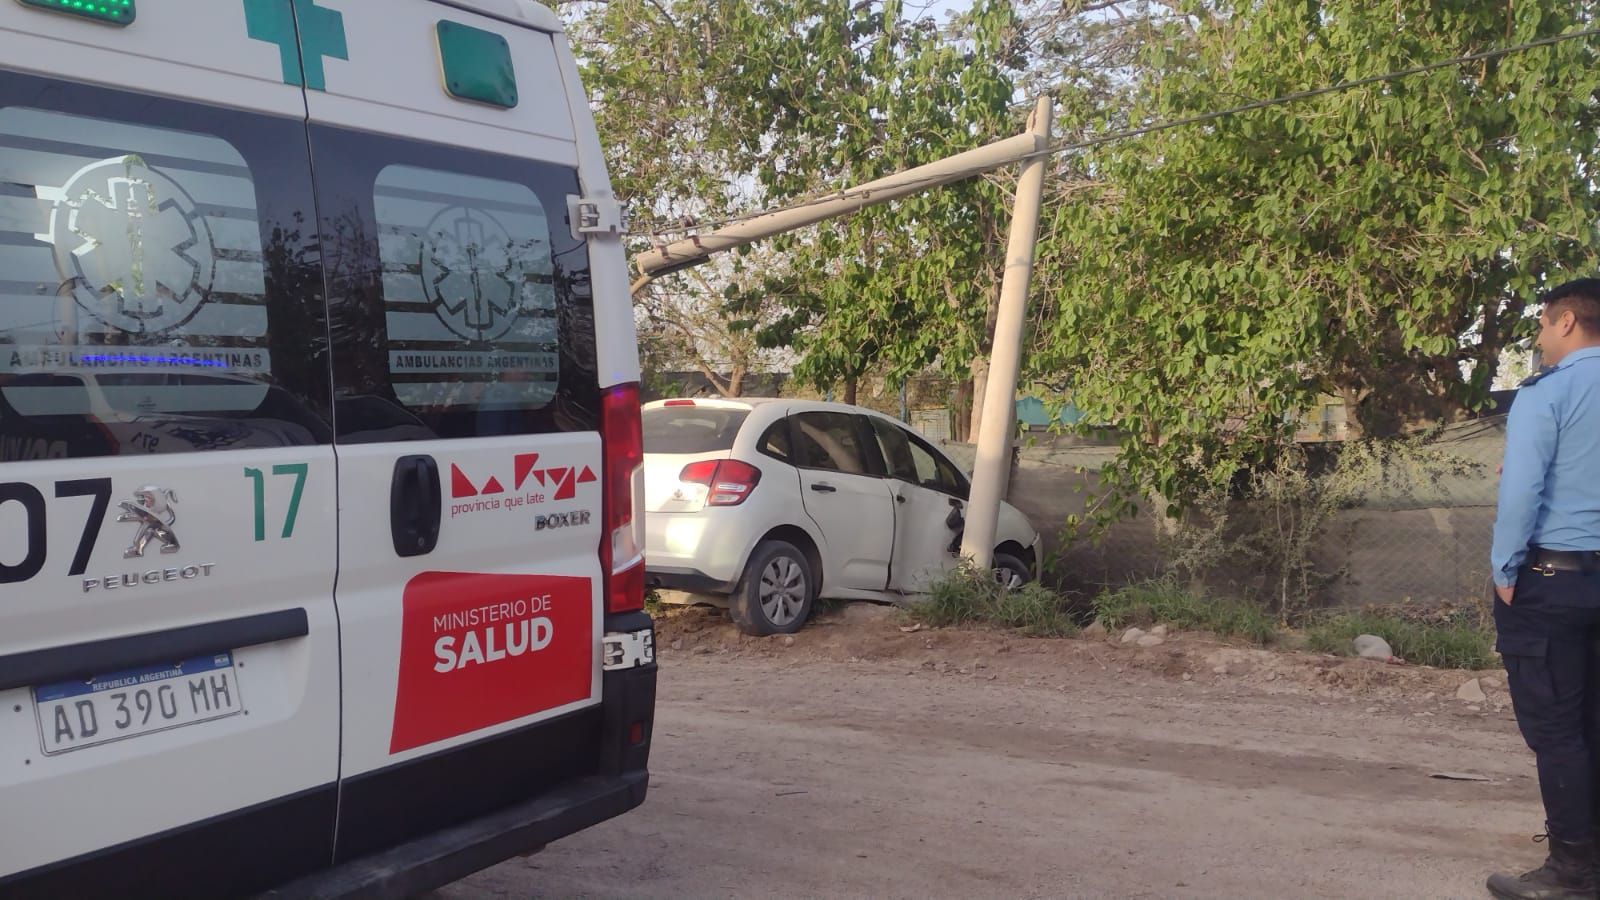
677, 403
728, 481
622, 544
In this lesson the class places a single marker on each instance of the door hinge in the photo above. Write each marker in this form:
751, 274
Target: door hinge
595, 215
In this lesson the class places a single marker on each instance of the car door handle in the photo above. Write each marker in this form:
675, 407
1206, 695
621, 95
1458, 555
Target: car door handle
822, 487
415, 505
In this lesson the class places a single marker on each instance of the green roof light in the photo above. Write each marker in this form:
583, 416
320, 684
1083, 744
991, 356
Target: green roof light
113, 12
477, 65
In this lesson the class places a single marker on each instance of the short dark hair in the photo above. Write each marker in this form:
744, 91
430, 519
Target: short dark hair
1582, 297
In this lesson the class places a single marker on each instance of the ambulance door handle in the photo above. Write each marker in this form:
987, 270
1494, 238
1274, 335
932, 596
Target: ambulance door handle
415, 505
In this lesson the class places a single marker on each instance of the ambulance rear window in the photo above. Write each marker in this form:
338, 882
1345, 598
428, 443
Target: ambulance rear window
458, 293
157, 293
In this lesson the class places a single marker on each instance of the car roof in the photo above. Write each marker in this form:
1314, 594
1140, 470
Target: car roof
795, 405
791, 405
713, 402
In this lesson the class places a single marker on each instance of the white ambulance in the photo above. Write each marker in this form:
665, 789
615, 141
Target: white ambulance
320, 572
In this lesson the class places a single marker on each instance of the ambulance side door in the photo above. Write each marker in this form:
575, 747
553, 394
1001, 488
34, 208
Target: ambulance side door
169, 668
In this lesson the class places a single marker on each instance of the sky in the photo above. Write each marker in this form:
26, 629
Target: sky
939, 9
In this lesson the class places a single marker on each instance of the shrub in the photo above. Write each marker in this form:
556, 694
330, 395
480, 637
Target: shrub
970, 596
1451, 644
1165, 600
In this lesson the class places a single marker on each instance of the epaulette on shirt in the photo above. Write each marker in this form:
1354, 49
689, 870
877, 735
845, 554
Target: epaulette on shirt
1533, 379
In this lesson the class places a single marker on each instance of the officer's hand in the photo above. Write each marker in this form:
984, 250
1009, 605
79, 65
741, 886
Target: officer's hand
1504, 593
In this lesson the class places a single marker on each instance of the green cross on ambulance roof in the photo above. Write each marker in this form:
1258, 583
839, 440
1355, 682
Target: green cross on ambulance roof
321, 34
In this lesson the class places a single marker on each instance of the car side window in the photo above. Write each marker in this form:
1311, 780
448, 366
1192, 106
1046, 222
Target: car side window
896, 451
775, 442
932, 470
829, 441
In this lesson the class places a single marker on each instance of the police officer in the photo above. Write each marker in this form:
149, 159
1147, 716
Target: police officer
1546, 567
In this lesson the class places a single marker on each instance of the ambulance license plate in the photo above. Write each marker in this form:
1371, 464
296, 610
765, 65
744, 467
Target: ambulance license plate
86, 712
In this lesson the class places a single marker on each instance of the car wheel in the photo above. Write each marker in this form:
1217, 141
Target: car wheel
774, 595
1010, 571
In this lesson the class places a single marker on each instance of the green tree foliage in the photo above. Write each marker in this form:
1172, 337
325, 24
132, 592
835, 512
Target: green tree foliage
676, 128
710, 109
1380, 243
854, 93
672, 128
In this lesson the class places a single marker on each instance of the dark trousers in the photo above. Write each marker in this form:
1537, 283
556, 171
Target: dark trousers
1549, 638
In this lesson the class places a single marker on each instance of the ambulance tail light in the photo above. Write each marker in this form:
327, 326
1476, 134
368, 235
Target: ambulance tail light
622, 544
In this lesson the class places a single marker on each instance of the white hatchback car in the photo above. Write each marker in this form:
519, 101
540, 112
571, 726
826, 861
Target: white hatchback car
774, 503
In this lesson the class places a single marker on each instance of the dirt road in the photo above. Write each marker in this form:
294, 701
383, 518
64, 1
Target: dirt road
863, 761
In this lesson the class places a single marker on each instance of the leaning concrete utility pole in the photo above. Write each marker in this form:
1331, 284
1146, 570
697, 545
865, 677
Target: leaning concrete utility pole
999, 406
696, 249
993, 466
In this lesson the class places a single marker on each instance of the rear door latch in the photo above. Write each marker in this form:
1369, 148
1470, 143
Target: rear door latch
627, 650
595, 215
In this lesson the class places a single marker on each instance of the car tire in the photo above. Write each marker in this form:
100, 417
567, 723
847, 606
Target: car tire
774, 595
1011, 571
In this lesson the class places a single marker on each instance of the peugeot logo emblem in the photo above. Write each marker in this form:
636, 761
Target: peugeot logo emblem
151, 509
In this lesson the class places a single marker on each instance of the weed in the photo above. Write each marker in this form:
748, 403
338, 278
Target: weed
652, 603
973, 597
1165, 600
1458, 643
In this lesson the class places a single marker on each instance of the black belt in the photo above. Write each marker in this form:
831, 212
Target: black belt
1549, 562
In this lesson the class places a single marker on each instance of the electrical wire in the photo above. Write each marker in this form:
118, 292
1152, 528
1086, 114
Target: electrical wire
1153, 128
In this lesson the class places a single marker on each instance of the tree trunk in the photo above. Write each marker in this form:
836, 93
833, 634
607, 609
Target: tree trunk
980, 384
850, 390
961, 418
717, 382
735, 386
1167, 526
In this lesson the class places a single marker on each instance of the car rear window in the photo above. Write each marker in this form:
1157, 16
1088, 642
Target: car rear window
691, 429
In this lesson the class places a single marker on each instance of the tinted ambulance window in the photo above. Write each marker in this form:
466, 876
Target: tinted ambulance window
459, 297
159, 287
691, 429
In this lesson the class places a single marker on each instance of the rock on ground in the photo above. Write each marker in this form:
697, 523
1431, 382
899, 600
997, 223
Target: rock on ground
1132, 634
1370, 646
1471, 692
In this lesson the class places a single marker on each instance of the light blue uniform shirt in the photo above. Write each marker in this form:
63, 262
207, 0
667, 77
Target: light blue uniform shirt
1550, 488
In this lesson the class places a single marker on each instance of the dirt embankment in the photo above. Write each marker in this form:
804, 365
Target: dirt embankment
866, 632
